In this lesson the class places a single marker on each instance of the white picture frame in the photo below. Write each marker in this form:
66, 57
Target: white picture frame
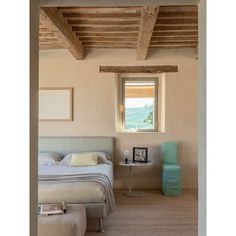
56, 104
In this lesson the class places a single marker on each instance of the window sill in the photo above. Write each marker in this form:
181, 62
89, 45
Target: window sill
141, 132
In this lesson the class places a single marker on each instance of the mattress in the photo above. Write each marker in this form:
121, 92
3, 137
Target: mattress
74, 192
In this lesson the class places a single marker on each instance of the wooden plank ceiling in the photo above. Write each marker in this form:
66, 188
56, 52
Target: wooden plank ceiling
139, 28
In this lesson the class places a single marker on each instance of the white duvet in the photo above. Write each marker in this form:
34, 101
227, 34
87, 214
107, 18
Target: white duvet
75, 192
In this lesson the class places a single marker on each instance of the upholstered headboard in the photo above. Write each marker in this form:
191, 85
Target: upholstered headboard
65, 145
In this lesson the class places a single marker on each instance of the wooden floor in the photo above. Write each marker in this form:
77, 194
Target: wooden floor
151, 215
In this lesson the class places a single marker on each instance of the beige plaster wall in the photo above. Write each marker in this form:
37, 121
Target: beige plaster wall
94, 107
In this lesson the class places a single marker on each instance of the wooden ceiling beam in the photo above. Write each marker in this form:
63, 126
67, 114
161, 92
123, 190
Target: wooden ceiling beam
110, 9
103, 22
174, 43
117, 43
173, 46
163, 42
175, 27
103, 15
138, 69
98, 18
158, 38
106, 29
110, 46
107, 34
120, 3
49, 40
54, 21
180, 9
181, 15
42, 34
120, 27
109, 39
44, 30
171, 21
175, 33
147, 23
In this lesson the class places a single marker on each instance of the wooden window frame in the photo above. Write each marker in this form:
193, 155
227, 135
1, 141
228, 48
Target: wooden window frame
156, 102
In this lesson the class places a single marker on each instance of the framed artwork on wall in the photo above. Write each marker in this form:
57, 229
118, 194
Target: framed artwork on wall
140, 154
56, 104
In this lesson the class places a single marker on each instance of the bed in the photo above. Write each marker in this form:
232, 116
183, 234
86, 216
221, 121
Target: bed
90, 185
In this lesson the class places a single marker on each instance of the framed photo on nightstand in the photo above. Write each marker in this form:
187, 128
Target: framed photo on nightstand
140, 154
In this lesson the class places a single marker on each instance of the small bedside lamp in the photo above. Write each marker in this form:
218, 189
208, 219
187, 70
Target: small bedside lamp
126, 155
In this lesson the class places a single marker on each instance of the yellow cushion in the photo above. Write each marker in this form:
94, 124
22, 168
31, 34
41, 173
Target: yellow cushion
83, 159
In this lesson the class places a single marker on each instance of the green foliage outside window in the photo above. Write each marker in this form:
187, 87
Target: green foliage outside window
149, 118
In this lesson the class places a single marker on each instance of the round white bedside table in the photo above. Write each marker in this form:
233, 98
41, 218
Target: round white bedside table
131, 193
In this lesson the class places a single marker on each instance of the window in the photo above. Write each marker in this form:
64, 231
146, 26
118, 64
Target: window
139, 108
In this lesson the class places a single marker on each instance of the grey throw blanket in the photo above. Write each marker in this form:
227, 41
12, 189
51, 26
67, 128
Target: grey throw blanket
101, 179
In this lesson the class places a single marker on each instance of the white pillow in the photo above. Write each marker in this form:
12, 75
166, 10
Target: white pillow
83, 159
102, 158
48, 158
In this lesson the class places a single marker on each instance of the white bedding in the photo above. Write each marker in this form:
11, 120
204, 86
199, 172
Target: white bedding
75, 192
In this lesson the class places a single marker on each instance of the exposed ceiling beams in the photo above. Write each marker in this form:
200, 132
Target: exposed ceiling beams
111, 3
53, 20
138, 69
147, 23
121, 27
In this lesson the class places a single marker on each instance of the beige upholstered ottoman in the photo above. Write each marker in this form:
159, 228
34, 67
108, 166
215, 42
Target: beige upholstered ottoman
73, 223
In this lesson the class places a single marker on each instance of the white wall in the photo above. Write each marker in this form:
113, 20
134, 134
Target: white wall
94, 107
